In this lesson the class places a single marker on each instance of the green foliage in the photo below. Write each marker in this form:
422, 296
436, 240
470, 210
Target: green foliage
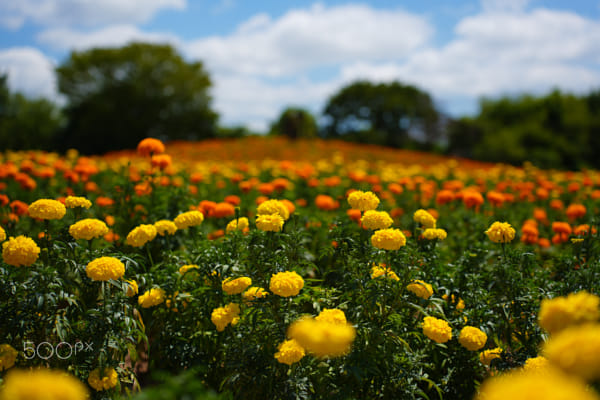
119, 96
392, 114
295, 123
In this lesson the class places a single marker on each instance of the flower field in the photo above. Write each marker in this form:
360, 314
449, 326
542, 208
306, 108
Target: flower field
266, 269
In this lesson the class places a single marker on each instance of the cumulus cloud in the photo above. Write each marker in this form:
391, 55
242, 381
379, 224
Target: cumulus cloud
29, 71
82, 12
112, 36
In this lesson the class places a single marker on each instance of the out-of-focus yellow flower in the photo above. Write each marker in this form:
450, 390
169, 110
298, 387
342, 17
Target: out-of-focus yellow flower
289, 352
271, 207
152, 297
472, 338
223, 316
105, 268
8, 356
189, 218
239, 224
20, 251
321, 338
75, 201
539, 363
269, 223
185, 268
165, 227
363, 201
103, 379
574, 309
253, 293
487, 356
236, 286
388, 239
140, 235
432, 234
47, 209
43, 384
576, 351
376, 220
332, 316
88, 229
420, 288
379, 271
286, 284
437, 329
501, 232
132, 288
2, 234
424, 218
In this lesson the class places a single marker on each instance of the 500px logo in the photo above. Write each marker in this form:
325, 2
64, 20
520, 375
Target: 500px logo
46, 350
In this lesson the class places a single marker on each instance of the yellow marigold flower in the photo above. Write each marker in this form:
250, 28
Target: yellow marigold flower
388, 239
132, 287
165, 227
270, 207
8, 356
2, 234
269, 223
363, 201
424, 218
239, 224
332, 316
289, 352
75, 201
103, 379
487, 356
20, 251
574, 309
576, 351
532, 385
432, 234
185, 268
151, 298
140, 235
105, 268
472, 338
47, 209
286, 284
43, 384
189, 218
460, 305
500, 232
421, 289
436, 329
88, 229
376, 220
224, 316
254, 293
379, 271
236, 286
322, 339
539, 363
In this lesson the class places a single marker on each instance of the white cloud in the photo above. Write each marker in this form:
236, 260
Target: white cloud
83, 12
318, 36
112, 36
504, 5
29, 71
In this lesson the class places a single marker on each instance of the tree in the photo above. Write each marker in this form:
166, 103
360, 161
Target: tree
27, 123
295, 123
116, 97
394, 114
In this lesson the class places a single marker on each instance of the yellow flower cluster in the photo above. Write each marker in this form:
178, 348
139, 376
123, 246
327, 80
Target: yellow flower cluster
132, 288
420, 288
254, 293
88, 229
165, 227
43, 384
20, 251
185, 268
561, 312
528, 385
378, 271
472, 338
433, 233
487, 356
105, 268
437, 329
103, 379
322, 338
539, 363
140, 235
271, 207
376, 220
2, 234
223, 316
576, 350
500, 232
151, 298
47, 209
239, 224
189, 218
332, 316
363, 201
269, 222
236, 286
388, 239
286, 284
75, 201
8, 356
424, 218
289, 352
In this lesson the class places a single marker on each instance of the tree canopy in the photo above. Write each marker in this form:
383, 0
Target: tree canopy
392, 114
117, 96
295, 123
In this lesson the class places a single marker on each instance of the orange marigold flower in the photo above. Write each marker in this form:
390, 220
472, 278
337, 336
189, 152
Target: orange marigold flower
471, 199
561, 227
161, 161
444, 197
575, 211
556, 204
233, 199
223, 210
325, 202
150, 146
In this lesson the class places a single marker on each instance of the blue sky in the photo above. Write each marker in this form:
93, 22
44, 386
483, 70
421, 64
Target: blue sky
266, 55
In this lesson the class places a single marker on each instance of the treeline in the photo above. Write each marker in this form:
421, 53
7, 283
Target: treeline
116, 97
